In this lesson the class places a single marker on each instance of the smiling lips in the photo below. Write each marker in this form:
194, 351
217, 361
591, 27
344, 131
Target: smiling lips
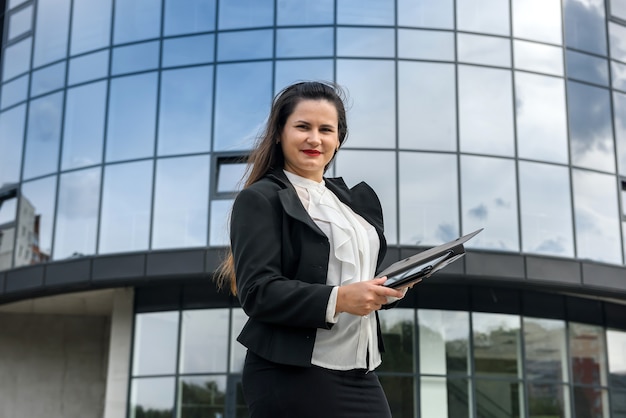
312, 152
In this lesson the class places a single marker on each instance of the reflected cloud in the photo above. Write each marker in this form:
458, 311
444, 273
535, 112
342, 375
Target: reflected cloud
479, 212
446, 232
585, 17
552, 246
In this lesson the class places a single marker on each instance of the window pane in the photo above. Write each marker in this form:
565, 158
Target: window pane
542, 27
14, 91
596, 214
616, 345
180, 202
400, 392
202, 396
48, 79
425, 44
499, 398
185, 111
618, 9
89, 67
496, 342
242, 99
541, 118
189, 16
443, 398
484, 50
230, 176
546, 209
486, 111
8, 232
586, 345
548, 400
397, 326
153, 397
444, 342
11, 140
204, 349
372, 111
51, 30
619, 101
366, 12
220, 215
188, 50
42, 140
426, 13
288, 72
126, 201
40, 194
84, 125
359, 42
155, 342
587, 68
132, 112
237, 351
490, 202
430, 217
134, 58
591, 132
618, 75
234, 14
305, 12
484, 16
539, 58
77, 214
545, 351
16, 59
590, 402
427, 106
20, 22
585, 27
617, 34
313, 42
245, 45
136, 20
91, 25
380, 175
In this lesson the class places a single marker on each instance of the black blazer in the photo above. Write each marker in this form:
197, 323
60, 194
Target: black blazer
281, 262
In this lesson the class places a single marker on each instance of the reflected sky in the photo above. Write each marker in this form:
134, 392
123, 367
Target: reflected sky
486, 110
48, 79
288, 72
619, 101
220, 216
489, 202
587, 68
155, 342
596, 214
136, 20
11, 140
20, 22
366, 12
42, 140
181, 202
616, 342
246, 14
617, 38
376, 168
426, 44
14, 91
427, 106
362, 42
16, 59
618, 74
591, 131
188, 16
188, 50
126, 201
305, 42
585, 27
305, 12
185, 111
428, 198
77, 214
541, 118
156, 394
238, 351
84, 125
134, 58
51, 31
545, 205
88, 67
540, 58
485, 50
426, 13
204, 349
91, 25
245, 45
483, 16
41, 194
544, 26
371, 111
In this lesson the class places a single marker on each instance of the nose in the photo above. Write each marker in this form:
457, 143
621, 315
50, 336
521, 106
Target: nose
314, 138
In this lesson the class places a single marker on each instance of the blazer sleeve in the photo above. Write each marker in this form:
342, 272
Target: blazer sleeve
264, 292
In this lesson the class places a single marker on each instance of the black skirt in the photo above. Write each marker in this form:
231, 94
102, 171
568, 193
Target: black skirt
274, 390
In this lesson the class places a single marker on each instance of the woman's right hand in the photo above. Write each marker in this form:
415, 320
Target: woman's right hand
363, 298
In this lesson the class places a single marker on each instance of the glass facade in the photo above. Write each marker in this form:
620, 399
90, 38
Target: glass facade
122, 123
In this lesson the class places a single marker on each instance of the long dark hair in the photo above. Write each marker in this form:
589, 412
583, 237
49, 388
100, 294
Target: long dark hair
267, 153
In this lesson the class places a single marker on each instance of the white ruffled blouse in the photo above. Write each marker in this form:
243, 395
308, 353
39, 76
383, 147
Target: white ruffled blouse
352, 342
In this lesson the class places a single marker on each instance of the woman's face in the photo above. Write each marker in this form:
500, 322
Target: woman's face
310, 138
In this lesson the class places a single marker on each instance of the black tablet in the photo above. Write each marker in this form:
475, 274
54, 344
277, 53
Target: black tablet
424, 264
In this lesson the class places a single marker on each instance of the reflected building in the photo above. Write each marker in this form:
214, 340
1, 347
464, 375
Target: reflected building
123, 124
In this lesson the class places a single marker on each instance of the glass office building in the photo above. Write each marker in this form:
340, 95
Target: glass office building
122, 127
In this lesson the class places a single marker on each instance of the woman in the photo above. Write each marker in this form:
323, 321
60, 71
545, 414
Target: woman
305, 250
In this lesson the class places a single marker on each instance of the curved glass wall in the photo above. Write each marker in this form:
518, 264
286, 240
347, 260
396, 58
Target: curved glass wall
438, 363
116, 118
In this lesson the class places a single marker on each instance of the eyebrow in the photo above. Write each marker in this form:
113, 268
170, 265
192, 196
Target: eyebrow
324, 125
